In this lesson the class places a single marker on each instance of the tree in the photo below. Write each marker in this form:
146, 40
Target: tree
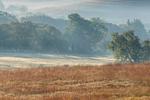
137, 26
126, 47
31, 37
83, 34
146, 50
50, 39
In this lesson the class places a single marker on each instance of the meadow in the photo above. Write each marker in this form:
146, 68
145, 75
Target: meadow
99, 82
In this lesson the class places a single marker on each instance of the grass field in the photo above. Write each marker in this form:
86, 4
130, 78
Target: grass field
107, 82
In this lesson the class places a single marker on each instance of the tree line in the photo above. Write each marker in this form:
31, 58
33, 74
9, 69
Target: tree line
81, 36
32, 37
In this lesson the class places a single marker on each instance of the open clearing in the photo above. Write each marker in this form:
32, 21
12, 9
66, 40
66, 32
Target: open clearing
16, 60
63, 77
106, 82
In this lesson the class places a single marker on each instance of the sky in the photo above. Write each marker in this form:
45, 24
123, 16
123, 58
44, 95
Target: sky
115, 11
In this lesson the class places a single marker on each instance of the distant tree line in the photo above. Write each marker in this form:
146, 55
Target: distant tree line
32, 37
80, 37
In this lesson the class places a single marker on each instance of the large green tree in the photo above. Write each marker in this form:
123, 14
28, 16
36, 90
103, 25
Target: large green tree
126, 47
83, 34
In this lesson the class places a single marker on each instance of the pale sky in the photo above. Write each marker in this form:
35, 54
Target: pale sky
115, 11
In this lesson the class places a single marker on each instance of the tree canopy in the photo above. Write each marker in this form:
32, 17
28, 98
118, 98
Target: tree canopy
84, 34
127, 48
29, 36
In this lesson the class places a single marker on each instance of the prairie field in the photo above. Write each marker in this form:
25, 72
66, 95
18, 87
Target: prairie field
77, 82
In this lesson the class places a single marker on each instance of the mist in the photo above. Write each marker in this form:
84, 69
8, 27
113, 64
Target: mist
81, 27
120, 10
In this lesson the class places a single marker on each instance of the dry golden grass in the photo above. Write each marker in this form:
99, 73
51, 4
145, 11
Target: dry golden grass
108, 82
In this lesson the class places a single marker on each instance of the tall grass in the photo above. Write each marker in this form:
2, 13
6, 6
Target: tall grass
108, 82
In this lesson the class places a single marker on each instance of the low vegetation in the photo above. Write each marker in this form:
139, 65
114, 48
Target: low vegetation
108, 82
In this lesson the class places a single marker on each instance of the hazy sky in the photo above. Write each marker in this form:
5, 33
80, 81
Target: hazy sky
115, 11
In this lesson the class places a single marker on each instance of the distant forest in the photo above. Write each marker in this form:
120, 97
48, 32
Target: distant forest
76, 35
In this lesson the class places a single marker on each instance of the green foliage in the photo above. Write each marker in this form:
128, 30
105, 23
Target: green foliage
81, 37
29, 36
47, 20
83, 34
126, 47
146, 50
